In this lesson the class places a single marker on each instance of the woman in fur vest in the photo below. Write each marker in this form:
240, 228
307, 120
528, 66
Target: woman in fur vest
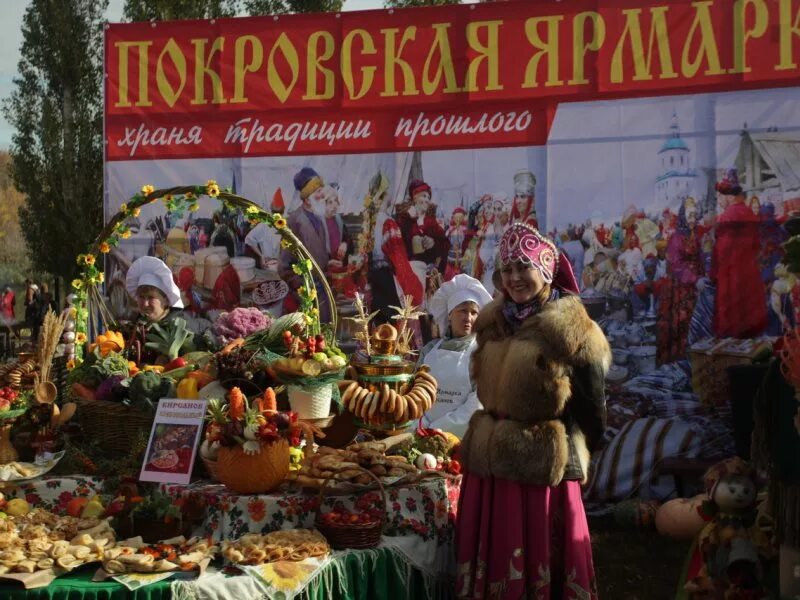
539, 367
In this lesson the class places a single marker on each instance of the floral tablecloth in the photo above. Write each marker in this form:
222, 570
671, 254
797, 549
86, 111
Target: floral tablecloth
53, 493
426, 509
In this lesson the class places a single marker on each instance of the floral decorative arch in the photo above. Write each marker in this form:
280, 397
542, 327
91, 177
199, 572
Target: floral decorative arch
179, 199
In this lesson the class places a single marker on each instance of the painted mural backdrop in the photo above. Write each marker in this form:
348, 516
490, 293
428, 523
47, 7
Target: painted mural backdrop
658, 143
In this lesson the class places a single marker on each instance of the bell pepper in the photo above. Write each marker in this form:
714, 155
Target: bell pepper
203, 378
156, 368
176, 363
187, 389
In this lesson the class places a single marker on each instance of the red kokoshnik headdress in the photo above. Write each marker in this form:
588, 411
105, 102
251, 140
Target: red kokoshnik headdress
525, 244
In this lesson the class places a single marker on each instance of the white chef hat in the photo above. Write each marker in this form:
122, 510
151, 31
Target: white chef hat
149, 270
461, 288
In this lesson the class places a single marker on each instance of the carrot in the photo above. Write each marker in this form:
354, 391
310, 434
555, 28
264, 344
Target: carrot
82, 391
268, 402
236, 403
232, 345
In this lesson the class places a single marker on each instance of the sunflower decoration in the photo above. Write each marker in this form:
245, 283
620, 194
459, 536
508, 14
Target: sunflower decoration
212, 189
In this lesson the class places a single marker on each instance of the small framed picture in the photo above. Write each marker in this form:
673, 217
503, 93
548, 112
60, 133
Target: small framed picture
173, 441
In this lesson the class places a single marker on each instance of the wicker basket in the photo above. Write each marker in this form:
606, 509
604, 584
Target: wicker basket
115, 427
311, 402
710, 376
351, 535
253, 473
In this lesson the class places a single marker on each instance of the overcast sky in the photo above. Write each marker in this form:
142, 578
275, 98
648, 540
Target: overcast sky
11, 40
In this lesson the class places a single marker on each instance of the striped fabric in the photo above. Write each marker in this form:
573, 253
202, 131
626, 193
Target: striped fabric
627, 465
702, 317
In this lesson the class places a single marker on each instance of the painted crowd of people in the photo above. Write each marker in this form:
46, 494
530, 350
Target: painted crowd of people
693, 272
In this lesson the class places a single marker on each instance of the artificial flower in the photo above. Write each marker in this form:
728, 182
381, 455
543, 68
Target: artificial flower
312, 294
252, 210
101, 277
189, 195
89, 259
148, 189
80, 337
136, 212
279, 222
285, 243
213, 190
71, 364
123, 208
167, 198
125, 234
194, 207
104, 248
77, 284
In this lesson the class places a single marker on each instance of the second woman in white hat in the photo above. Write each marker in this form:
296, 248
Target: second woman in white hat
454, 308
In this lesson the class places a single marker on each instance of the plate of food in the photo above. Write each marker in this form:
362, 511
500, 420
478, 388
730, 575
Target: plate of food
165, 459
270, 292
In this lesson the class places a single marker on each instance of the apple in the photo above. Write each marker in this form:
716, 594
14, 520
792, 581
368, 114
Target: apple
76, 505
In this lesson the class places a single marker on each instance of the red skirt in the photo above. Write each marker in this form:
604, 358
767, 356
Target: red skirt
523, 541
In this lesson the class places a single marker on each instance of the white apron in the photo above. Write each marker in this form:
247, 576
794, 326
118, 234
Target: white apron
451, 370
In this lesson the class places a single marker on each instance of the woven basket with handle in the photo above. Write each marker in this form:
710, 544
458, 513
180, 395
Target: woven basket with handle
351, 535
115, 427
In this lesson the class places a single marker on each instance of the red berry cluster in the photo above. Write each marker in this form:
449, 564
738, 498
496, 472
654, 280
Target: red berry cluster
308, 346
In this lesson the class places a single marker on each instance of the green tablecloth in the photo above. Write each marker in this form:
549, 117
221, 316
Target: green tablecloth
369, 576
79, 586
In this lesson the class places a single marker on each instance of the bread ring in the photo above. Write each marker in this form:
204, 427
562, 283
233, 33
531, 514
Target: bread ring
399, 408
391, 403
420, 393
425, 376
377, 398
384, 397
358, 400
427, 385
408, 409
348, 393
365, 406
423, 369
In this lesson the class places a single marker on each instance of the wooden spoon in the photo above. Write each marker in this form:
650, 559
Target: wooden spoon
46, 392
67, 412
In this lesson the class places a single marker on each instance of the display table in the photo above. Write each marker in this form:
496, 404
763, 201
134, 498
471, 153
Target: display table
350, 575
426, 509
414, 560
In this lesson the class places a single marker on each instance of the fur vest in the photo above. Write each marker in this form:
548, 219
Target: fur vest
532, 427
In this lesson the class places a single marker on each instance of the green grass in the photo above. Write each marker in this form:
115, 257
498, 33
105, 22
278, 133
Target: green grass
633, 564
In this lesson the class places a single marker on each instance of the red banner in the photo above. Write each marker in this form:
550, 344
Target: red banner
441, 77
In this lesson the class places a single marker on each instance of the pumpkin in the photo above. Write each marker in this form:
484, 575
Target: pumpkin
110, 341
254, 473
680, 518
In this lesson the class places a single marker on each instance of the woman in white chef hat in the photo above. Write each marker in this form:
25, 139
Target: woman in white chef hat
454, 308
150, 283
